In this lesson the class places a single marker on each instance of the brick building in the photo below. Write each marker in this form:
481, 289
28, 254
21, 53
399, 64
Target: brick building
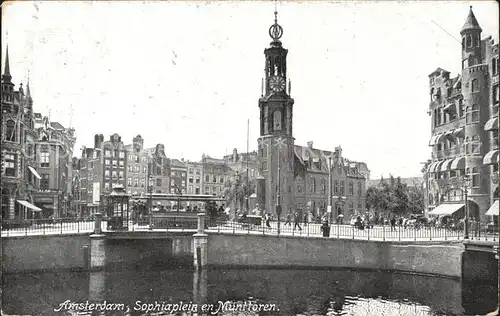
194, 177
464, 125
54, 163
137, 167
242, 161
160, 169
178, 176
298, 175
215, 174
19, 176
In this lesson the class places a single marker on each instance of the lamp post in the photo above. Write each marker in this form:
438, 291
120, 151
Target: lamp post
330, 191
150, 189
466, 222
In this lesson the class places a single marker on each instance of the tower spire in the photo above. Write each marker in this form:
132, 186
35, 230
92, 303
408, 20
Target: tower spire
275, 31
471, 22
6, 77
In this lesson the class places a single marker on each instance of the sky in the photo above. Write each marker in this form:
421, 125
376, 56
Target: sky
188, 74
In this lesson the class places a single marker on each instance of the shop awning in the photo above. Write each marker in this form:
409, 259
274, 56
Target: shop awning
446, 165
492, 124
33, 171
493, 210
491, 157
446, 209
458, 163
29, 205
435, 139
459, 132
437, 166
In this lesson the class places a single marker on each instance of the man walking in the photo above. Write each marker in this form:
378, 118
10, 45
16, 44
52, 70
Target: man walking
297, 221
393, 224
288, 219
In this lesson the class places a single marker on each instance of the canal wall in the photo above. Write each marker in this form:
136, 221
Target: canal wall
43, 253
433, 258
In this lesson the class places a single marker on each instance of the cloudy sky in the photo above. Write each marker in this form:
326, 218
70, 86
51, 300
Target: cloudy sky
188, 74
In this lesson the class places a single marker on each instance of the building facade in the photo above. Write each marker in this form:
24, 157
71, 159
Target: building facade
297, 178
241, 162
464, 124
54, 163
160, 170
19, 178
137, 167
215, 175
194, 177
178, 176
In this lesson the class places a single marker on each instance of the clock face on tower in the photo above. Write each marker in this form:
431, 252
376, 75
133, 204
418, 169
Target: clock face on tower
277, 83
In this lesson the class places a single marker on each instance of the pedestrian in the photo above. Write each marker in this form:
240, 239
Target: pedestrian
288, 219
268, 219
305, 218
400, 221
393, 224
297, 221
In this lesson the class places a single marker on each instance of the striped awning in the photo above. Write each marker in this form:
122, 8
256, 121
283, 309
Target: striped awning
435, 139
437, 166
491, 157
493, 210
492, 124
446, 165
458, 163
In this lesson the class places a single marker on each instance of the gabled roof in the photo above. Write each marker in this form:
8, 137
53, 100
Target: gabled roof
471, 23
438, 71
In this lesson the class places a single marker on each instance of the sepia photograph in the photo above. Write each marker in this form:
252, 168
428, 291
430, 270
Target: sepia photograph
288, 158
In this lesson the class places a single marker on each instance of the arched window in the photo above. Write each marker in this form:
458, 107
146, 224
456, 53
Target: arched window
475, 114
277, 120
475, 144
475, 86
351, 188
359, 189
266, 115
21, 133
467, 115
469, 41
10, 131
475, 177
467, 148
476, 41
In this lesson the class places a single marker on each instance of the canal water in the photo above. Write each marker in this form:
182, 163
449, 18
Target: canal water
242, 292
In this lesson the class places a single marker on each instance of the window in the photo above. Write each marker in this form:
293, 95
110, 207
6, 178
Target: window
129, 182
143, 183
475, 144
359, 189
107, 153
336, 186
475, 113
277, 120
130, 157
351, 207
360, 206
121, 163
45, 157
44, 182
197, 180
190, 188
106, 161
144, 169
475, 86
323, 186
221, 180
10, 131
299, 188
461, 108
494, 66
469, 41
114, 162
114, 174
10, 165
264, 166
158, 182
465, 63
342, 189
312, 185
175, 174
351, 188
120, 174
137, 169
172, 182
207, 178
106, 185
495, 96
475, 177
136, 182
190, 180
198, 171
158, 171
197, 190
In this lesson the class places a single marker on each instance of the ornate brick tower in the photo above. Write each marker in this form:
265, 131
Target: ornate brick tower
476, 91
276, 142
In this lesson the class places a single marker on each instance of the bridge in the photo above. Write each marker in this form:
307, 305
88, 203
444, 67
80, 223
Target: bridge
202, 242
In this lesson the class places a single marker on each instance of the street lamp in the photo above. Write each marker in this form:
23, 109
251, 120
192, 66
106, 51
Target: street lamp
466, 222
330, 191
150, 190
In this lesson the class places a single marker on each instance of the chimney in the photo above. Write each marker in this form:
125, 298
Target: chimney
235, 155
310, 144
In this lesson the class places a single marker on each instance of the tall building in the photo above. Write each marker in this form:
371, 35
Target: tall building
178, 176
464, 124
137, 167
19, 177
241, 162
194, 177
102, 168
160, 169
54, 163
297, 177
215, 174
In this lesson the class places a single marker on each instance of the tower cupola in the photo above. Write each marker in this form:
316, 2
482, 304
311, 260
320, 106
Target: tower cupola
471, 41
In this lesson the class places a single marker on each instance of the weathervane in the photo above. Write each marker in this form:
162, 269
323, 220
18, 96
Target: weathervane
275, 31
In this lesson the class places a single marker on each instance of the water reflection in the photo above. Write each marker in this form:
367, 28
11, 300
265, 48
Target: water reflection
293, 292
